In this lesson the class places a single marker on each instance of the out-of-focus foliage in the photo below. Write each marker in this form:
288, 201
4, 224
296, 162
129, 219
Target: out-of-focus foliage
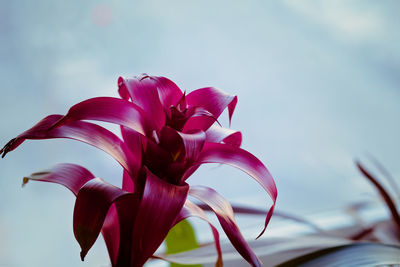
181, 238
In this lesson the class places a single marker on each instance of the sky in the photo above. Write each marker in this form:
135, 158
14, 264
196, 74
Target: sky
317, 81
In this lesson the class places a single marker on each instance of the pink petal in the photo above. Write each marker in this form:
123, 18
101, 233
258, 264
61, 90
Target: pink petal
192, 210
171, 141
133, 140
92, 204
82, 131
113, 110
198, 118
193, 143
157, 159
71, 176
218, 134
182, 145
168, 91
212, 99
224, 213
127, 182
143, 92
184, 149
160, 205
243, 160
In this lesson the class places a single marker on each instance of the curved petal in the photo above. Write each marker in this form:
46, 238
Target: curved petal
127, 182
185, 146
92, 204
111, 233
198, 118
224, 213
143, 92
134, 141
168, 91
212, 99
72, 176
86, 132
110, 109
218, 134
193, 143
192, 210
117, 229
243, 160
171, 141
160, 205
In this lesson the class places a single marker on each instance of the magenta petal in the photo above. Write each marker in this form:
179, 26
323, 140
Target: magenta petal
212, 99
198, 118
218, 134
71, 176
82, 131
143, 92
160, 205
110, 109
168, 91
92, 204
117, 229
243, 160
111, 233
171, 141
192, 210
185, 146
193, 143
127, 182
225, 215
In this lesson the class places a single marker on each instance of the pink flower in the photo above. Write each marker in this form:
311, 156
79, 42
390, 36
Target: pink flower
166, 136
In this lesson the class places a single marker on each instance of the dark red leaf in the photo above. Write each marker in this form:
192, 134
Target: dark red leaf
159, 207
91, 207
117, 229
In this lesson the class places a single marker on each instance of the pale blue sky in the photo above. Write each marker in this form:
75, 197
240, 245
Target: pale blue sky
318, 85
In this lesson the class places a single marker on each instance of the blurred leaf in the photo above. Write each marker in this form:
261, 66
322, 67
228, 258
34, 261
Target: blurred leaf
179, 239
384, 194
271, 251
359, 254
239, 209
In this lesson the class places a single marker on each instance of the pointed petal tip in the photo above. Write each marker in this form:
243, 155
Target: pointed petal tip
262, 232
7, 148
83, 254
25, 180
120, 81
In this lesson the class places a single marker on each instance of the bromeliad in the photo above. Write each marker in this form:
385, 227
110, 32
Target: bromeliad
166, 136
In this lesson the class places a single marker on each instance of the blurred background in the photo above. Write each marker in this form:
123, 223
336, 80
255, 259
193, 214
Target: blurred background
317, 81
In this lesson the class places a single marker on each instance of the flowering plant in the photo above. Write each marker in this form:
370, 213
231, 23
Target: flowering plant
166, 136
